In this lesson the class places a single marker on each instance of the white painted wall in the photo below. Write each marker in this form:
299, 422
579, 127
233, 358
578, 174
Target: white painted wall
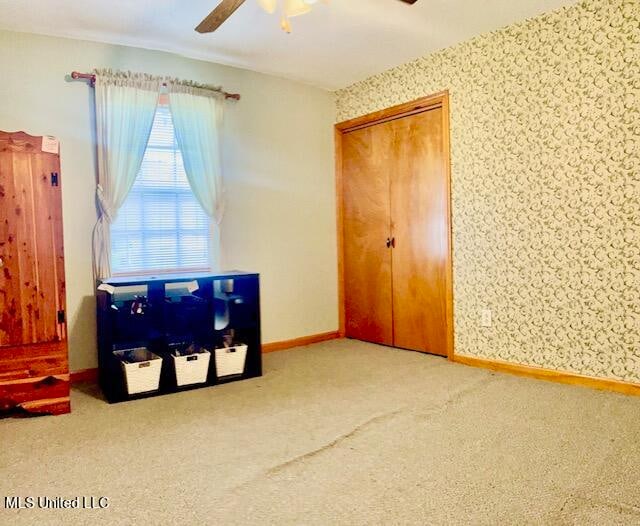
278, 167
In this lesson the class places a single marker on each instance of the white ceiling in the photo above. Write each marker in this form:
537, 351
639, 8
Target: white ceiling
331, 47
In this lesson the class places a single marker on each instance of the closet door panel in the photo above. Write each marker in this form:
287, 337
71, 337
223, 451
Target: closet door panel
419, 211
367, 259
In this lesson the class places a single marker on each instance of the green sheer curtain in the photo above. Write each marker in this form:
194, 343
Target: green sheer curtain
197, 119
125, 108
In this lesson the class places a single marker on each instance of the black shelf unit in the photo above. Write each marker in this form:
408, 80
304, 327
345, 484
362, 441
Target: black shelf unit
173, 315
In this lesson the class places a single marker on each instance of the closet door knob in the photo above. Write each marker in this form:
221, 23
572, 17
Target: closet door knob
393, 242
388, 242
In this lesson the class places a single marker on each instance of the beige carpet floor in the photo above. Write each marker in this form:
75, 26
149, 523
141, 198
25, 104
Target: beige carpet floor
337, 433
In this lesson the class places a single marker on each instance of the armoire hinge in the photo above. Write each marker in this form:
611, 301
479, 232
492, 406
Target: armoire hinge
60, 316
54, 178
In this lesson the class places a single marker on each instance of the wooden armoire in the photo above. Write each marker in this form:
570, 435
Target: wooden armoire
34, 369
394, 199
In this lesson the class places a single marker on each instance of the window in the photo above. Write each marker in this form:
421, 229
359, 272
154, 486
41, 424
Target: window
161, 227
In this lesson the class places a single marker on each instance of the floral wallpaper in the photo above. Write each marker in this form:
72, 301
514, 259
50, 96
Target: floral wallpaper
545, 139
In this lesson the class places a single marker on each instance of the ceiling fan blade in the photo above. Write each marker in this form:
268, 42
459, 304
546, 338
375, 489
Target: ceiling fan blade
216, 18
409, 1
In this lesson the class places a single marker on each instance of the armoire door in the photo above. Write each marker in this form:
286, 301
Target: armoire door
34, 372
420, 229
367, 162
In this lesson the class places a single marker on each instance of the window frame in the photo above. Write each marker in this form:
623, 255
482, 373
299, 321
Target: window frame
163, 102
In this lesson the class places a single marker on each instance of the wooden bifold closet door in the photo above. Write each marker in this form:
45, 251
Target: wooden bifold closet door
396, 245
367, 161
34, 371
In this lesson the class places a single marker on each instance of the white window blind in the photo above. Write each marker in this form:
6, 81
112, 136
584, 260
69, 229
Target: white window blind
161, 227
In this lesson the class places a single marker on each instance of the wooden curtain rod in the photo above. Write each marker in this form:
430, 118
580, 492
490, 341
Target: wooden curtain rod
76, 75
